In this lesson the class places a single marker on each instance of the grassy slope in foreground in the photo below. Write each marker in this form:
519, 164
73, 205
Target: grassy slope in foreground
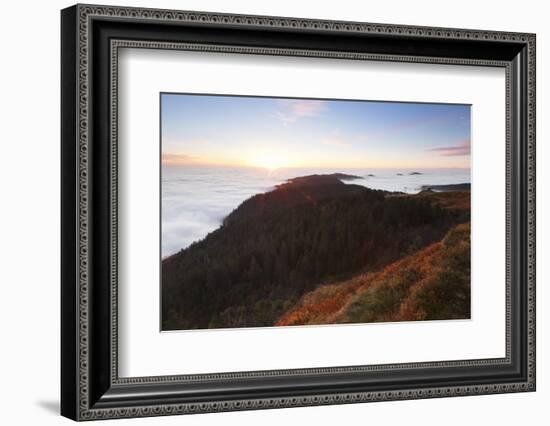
432, 284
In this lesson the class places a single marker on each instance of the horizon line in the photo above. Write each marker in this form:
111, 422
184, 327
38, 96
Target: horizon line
246, 166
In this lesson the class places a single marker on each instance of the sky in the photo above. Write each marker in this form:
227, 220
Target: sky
283, 132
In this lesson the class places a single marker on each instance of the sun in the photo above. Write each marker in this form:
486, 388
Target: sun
270, 164
269, 161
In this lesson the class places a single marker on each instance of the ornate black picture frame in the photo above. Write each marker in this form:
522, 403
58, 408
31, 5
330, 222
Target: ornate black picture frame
91, 387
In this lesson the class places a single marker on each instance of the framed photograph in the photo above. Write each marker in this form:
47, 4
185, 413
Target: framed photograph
263, 212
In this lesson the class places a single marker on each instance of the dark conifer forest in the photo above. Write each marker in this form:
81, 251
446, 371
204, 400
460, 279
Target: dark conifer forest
307, 234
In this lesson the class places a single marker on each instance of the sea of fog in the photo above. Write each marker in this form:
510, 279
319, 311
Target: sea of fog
195, 200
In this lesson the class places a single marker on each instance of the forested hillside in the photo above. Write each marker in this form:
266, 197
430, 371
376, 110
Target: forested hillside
432, 284
278, 246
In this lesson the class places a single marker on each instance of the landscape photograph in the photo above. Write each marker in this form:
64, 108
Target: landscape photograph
280, 212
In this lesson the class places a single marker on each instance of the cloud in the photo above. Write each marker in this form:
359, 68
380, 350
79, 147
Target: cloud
172, 159
463, 148
198, 203
291, 110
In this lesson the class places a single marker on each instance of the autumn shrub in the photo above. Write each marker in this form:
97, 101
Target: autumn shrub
432, 284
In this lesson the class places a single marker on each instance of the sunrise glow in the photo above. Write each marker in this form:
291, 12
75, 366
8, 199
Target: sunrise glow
273, 133
269, 161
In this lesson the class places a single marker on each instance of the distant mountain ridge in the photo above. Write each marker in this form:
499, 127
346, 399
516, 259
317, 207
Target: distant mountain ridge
277, 246
451, 187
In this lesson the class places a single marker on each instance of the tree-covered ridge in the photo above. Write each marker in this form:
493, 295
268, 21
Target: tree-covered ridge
277, 246
432, 284
310, 189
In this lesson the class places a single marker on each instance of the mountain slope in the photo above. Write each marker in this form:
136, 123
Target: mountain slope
433, 283
277, 246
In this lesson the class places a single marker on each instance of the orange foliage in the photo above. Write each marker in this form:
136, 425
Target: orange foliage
323, 303
433, 283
